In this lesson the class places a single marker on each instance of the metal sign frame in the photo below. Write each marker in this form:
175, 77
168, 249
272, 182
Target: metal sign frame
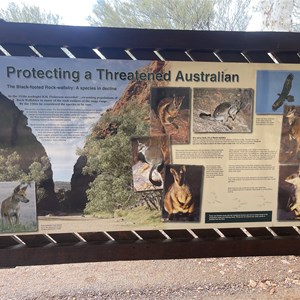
172, 45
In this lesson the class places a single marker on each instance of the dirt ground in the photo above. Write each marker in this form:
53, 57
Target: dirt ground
214, 278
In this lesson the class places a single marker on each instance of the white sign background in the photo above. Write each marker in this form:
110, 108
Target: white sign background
62, 108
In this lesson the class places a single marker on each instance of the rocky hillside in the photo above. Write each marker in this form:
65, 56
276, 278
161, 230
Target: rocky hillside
16, 136
136, 91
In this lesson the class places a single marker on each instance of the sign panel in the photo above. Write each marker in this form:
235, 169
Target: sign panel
99, 145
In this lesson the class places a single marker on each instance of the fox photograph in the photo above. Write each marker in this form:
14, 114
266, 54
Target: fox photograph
290, 135
222, 110
149, 157
170, 113
182, 193
289, 193
18, 207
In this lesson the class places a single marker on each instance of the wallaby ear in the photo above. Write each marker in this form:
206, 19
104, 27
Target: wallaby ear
183, 168
173, 171
175, 174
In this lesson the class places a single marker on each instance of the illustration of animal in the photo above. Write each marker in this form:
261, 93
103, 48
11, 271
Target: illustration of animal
10, 207
284, 95
223, 112
294, 206
178, 199
294, 127
167, 111
154, 157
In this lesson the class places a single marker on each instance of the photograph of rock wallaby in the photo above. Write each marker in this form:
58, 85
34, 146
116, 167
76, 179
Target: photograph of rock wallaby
290, 135
222, 110
170, 113
288, 207
18, 207
182, 193
149, 157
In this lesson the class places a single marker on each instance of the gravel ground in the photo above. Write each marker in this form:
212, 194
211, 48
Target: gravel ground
214, 278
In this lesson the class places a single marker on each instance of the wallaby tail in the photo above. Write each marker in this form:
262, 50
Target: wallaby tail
154, 182
205, 116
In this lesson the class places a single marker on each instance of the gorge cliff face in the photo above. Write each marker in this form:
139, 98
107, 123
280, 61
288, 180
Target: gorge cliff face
137, 92
16, 136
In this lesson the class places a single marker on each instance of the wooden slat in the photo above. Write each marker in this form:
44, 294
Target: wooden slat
206, 233
34, 240
231, 56
128, 38
83, 52
179, 234
7, 241
64, 238
233, 232
259, 231
172, 54
95, 236
144, 54
51, 51
258, 57
114, 53
19, 50
198, 55
285, 231
287, 57
167, 249
151, 235
123, 235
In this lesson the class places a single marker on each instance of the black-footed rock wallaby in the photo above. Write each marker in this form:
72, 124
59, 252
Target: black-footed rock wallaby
294, 206
153, 156
224, 111
178, 198
168, 109
294, 128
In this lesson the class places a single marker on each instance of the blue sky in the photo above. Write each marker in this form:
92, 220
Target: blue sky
269, 84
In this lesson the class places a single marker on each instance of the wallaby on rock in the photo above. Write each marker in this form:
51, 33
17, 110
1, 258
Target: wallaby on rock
294, 127
167, 111
154, 157
294, 206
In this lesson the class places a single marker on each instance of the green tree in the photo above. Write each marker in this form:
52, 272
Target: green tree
10, 169
172, 14
28, 14
37, 170
109, 159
